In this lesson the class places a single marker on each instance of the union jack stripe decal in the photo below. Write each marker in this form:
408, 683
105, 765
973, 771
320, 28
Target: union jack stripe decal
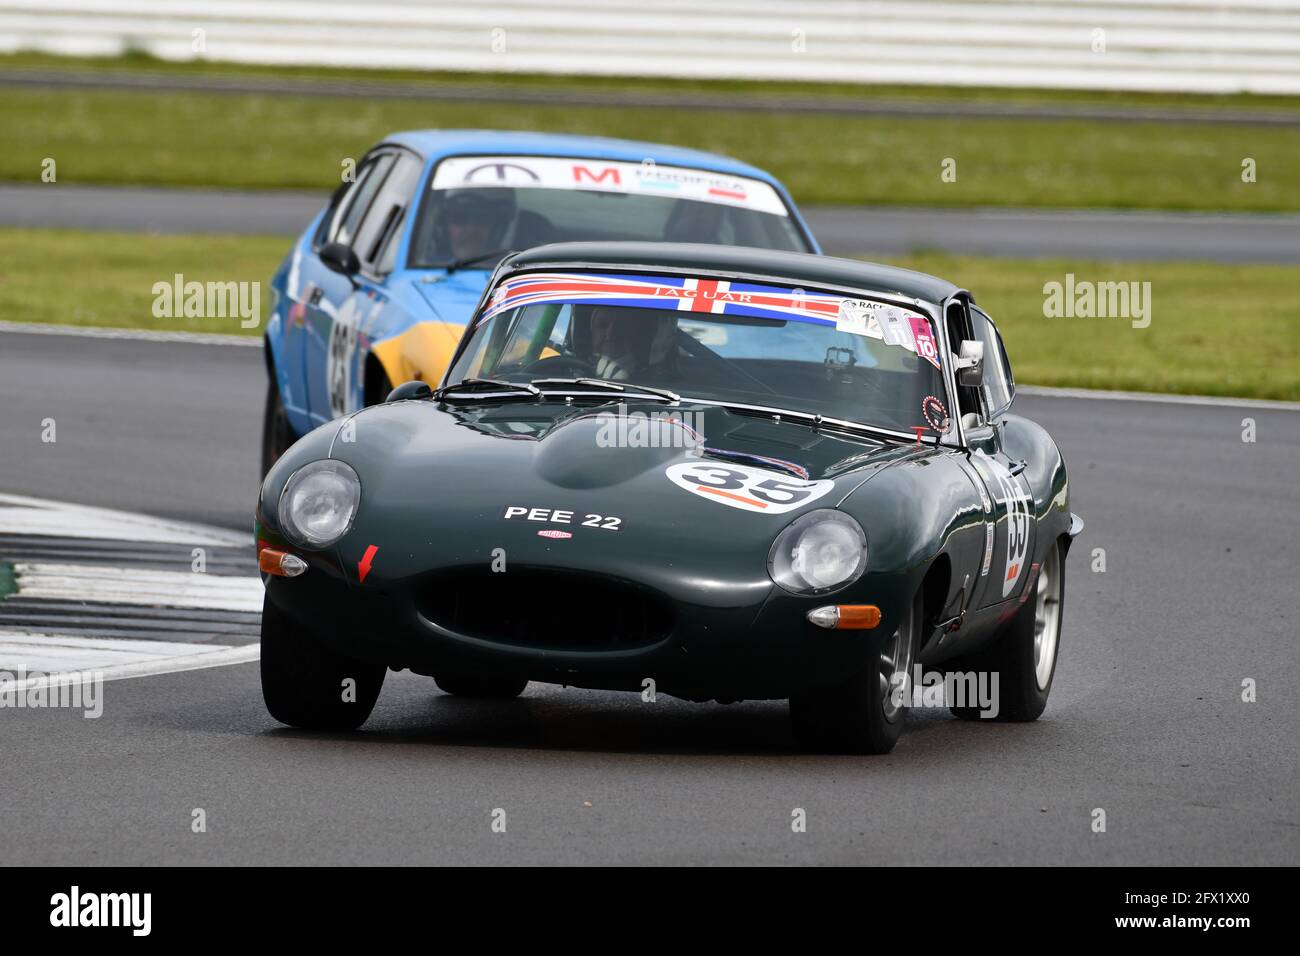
873, 319
678, 293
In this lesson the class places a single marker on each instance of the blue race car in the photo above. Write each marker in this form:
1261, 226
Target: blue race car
379, 287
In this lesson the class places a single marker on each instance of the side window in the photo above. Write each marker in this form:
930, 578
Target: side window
337, 199
998, 387
388, 255
382, 219
343, 226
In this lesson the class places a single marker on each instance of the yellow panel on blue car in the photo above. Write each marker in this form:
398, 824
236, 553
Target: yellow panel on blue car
421, 352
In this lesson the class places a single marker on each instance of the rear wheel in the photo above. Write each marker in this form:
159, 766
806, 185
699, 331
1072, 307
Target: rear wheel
377, 384
277, 433
865, 713
1024, 654
490, 686
306, 684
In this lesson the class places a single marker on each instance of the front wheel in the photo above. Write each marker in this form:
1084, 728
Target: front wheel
1024, 654
377, 387
277, 433
307, 684
865, 713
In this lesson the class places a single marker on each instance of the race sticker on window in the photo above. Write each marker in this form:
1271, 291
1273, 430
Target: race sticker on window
858, 316
924, 340
601, 175
935, 414
890, 324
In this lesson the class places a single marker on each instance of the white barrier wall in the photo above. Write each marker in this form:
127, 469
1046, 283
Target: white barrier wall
1182, 45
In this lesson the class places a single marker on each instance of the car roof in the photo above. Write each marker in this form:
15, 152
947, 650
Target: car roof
437, 143
787, 267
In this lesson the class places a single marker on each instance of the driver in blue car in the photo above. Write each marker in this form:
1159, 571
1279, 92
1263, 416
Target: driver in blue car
477, 221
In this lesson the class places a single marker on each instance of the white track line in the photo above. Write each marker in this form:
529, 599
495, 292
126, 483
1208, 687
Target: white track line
172, 665
1163, 398
40, 516
114, 585
107, 658
136, 335
56, 652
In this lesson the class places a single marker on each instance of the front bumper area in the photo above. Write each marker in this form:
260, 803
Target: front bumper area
758, 646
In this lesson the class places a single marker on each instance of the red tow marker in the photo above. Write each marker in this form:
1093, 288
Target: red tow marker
363, 566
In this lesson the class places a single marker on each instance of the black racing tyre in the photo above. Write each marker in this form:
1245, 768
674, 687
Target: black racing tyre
303, 680
864, 714
277, 433
377, 388
1024, 653
487, 686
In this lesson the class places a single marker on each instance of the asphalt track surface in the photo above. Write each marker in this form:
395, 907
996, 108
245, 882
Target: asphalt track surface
1145, 721
842, 230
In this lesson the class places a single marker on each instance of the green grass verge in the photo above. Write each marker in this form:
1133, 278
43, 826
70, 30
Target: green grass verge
71, 277
1215, 329
274, 141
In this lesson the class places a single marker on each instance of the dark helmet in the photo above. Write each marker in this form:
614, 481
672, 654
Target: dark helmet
496, 207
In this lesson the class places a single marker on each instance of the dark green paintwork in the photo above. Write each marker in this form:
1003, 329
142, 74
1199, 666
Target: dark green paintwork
436, 479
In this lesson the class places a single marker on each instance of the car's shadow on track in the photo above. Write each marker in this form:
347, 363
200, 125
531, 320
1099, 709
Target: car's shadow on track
552, 718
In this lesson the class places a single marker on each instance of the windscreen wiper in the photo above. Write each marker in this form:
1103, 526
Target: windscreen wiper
811, 419
472, 386
604, 383
452, 265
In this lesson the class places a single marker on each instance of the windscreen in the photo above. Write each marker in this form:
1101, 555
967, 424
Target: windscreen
479, 204
850, 357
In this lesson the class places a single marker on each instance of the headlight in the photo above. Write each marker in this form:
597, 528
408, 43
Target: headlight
318, 503
820, 551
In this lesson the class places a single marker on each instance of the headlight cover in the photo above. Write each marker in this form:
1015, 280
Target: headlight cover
319, 502
818, 552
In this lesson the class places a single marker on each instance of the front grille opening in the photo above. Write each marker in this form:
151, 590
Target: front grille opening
547, 608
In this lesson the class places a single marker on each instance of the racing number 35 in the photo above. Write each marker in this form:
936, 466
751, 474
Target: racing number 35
771, 490
750, 489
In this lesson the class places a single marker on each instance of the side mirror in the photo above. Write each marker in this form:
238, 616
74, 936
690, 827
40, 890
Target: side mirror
408, 390
970, 364
340, 258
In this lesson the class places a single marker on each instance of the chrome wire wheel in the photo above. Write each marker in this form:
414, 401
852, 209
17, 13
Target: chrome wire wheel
896, 665
1047, 617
